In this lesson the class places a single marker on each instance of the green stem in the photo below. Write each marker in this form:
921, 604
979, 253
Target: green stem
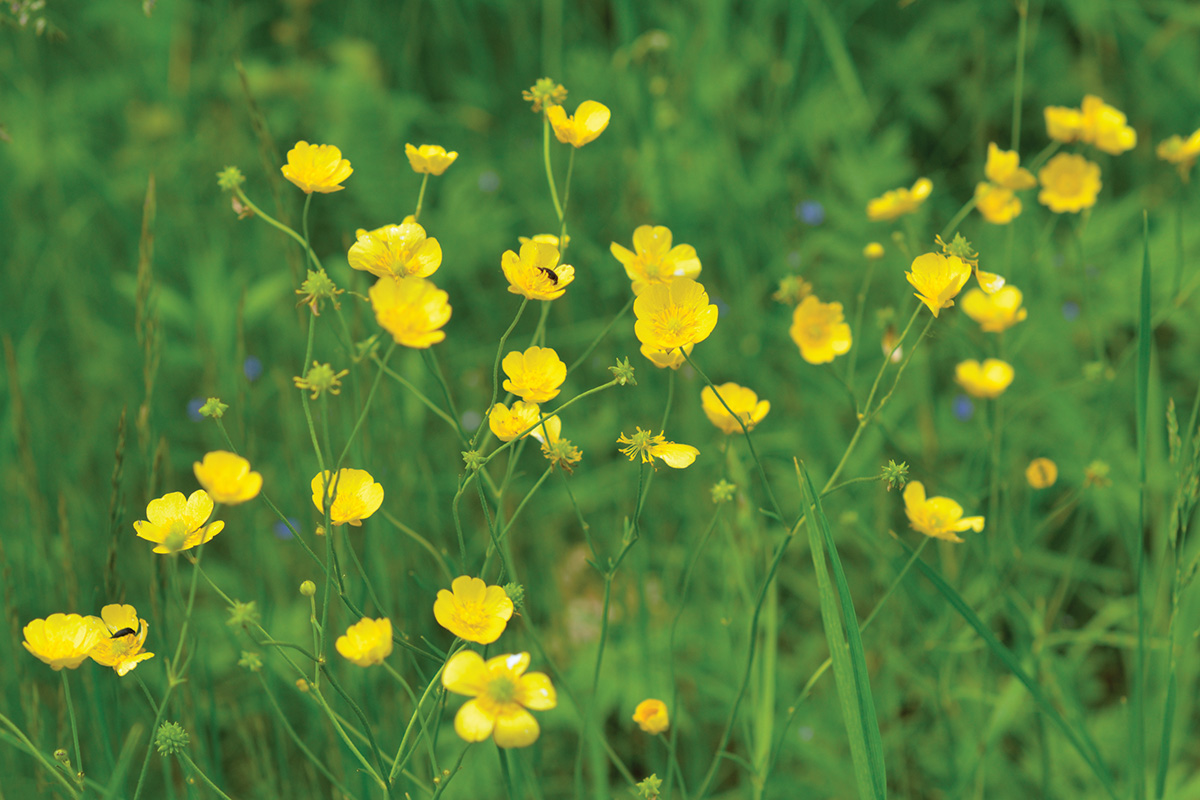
197, 771
74, 729
859, 307
362, 416
300, 240
496, 368
366, 726
562, 231
37, 754
1019, 90
287, 726
558, 209
304, 399
421, 198
595, 342
397, 762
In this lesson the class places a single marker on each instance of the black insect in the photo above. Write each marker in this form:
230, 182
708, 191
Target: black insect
551, 275
123, 632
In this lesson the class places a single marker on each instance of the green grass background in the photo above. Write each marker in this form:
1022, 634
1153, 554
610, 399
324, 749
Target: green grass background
726, 117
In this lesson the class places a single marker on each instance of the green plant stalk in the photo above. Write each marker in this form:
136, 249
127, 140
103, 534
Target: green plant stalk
1137, 754
496, 368
434, 367
308, 416
300, 240
595, 342
287, 726
29, 747
337, 726
1019, 87
558, 209
562, 230
422, 541
421, 198
423, 399
199, 772
453, 772
366, 406
366, 727
860, 304
74, 730
397, 763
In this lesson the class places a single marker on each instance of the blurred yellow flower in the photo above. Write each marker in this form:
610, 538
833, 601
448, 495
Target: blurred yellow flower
502, 692
544, 238
938, 279
1063, 124
367, 642
316, 168
507, 424
898, 202
649, 447
227, 478
651, 716
873, 251
536, 273
744, 403
939, 517
63, 640
1181, 152
998, 205
1004, 169
472, 610
995, 312
356, 496
588, 122
396, 251
121, 648
535, 375
1042, 473
1095, 123
558, 450
820, 331
429, 159
1069, 183
654, 260
413, 310
988, 379
667, 359
672, 315
176, 523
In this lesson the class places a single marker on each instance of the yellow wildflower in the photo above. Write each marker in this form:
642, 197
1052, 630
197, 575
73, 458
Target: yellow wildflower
429, 159
366, 642
507, 424
1180, 152
651, 716
63, 640
1105, 127
121, 648
588, 122
667, 359
1063, 124
997, 204
649, 447
898, 202
535, 375
1069, 183
672, 315
1003, 168
175, 523
536, 273
227, 478
820, 331
472, 610
1042, 473
545, 238
995, 312
654, 260
356, 496
938, 279
316, 168
939, 517
988, 379
873, 251
396, 251
742, 401
502, 692
413, 310
792, 289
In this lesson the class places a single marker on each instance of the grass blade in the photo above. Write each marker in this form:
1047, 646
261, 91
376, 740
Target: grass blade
1137, 705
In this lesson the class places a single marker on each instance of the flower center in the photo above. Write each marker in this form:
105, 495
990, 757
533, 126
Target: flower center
502, 688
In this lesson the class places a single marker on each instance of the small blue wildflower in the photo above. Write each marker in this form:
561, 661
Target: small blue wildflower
810, 212
281, 528
193, 409
252, 368
964, 409
1070, 310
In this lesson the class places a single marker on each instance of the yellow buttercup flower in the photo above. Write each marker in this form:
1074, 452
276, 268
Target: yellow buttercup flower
545, 238
535, 375
63, 640
1070, 183
367, 642
121, 648
176, 523
1042, 473
396, 251
667, 359
651, 716
820, 331
672, 315
938, 279
382, 230
654, 260
536, 273
472, 610
227, 478
939, 517
898, 202
742, 401
1063, 124
988, 379
1181, 152
502, 691
316, 168
873, 251
588, 122
559, 451
1105, 127
1004, 169
413, 310
995, 312
356, 496
429, 159
649, 447
997, 204
507, 424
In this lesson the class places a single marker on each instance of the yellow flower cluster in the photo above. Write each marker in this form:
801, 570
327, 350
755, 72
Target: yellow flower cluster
996, 197
898, 202
1094, 122
1181, 152
114, 639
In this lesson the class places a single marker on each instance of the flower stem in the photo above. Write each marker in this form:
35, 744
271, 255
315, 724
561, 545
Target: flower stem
74, 730
496, 367
558, 209
421, 198
595, 342
277, 224
1019, 90
562, 230
199, 772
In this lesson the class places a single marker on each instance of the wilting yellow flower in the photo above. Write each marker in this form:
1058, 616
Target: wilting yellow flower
472, 610
321, 378
898, 202
367, 642
873, 251
988, 379
413, 310
1041, 473
588, 122
1004, 169
994, 312
535, 375
502, 692
819, 330
356, 496
1105, 127
536, 273
939, 517
175, 523
651, 716
430, 159
654, 260
1069, 183
672, 315
507, 424
63, 640
744, 403
557, 450
649, 447
938, 279
396, 251
227, 478
667, 359
121, 647
998, 205
316, 168
1180, 152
